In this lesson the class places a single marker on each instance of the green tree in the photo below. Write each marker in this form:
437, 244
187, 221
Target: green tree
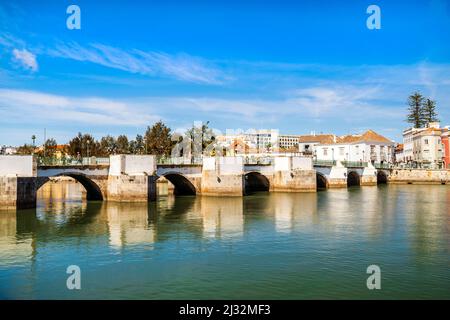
107, 146
123, 146
416, 115
25, 149
429, 111
83, 145
50, 147
139, 144
202, 132
158, 139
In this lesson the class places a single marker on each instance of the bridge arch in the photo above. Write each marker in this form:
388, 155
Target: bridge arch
321, 181
353, 179
381, 177
255, 181
93, 190
182, 184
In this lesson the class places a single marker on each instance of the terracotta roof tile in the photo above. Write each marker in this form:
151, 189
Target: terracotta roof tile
320, 138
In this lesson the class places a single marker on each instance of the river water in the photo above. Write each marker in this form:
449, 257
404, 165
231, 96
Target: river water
262, 246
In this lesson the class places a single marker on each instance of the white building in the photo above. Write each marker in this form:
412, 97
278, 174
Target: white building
307, 143
423, 147
8, 150
288, 142
258, 141
366, 147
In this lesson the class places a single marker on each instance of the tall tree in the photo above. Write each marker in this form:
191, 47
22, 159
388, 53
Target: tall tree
139, 147
25, 149
83, 145
123, 146
158, 139
107, 146
429, 111
201, 133
50, 147
416, 115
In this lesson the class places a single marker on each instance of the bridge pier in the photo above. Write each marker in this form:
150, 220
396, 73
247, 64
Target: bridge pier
223, 176
17, 182
369, 176
131, 178
293, 174
17, 192
338, 176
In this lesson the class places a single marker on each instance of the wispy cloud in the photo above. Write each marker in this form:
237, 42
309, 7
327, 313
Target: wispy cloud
20, 106
180, 66
25, 59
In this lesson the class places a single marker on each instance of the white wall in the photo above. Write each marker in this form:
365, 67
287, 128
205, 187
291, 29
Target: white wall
302, 163
21, 166
231, 165
132, 164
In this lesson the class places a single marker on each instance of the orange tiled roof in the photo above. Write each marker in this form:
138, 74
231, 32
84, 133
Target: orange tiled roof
368, 136
320, 138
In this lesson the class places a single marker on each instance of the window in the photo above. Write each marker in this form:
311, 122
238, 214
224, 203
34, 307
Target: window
341, 151
325, 152
426, 141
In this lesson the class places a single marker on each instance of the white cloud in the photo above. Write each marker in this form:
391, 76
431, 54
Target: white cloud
26, 59
20, 106
181, 66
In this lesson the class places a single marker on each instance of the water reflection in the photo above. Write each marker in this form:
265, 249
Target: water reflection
128, 224
222, 217
402, 227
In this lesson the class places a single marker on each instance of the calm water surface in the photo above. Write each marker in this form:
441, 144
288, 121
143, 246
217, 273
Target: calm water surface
264, 246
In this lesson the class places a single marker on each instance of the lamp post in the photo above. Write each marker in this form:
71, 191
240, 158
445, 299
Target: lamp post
88, 142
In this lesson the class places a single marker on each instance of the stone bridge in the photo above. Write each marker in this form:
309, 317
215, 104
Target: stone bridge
133, 177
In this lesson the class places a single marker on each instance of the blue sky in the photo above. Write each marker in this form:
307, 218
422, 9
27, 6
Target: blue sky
296, 66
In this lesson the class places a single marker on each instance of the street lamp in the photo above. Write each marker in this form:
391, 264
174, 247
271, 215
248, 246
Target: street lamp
88, 142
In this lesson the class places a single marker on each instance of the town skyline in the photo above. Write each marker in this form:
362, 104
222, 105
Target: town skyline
117, 78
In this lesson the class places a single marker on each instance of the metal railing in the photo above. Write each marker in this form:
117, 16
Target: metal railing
354, 164
66, 161
379, 165
179, 160
258, 160
324, 163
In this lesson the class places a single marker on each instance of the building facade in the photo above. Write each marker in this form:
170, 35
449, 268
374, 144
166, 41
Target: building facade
446, 147
366, 147
425, 147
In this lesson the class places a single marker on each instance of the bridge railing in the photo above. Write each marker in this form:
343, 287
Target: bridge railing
354, 164
324, 163
379, 165
258, 160
178, 160
52, 161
